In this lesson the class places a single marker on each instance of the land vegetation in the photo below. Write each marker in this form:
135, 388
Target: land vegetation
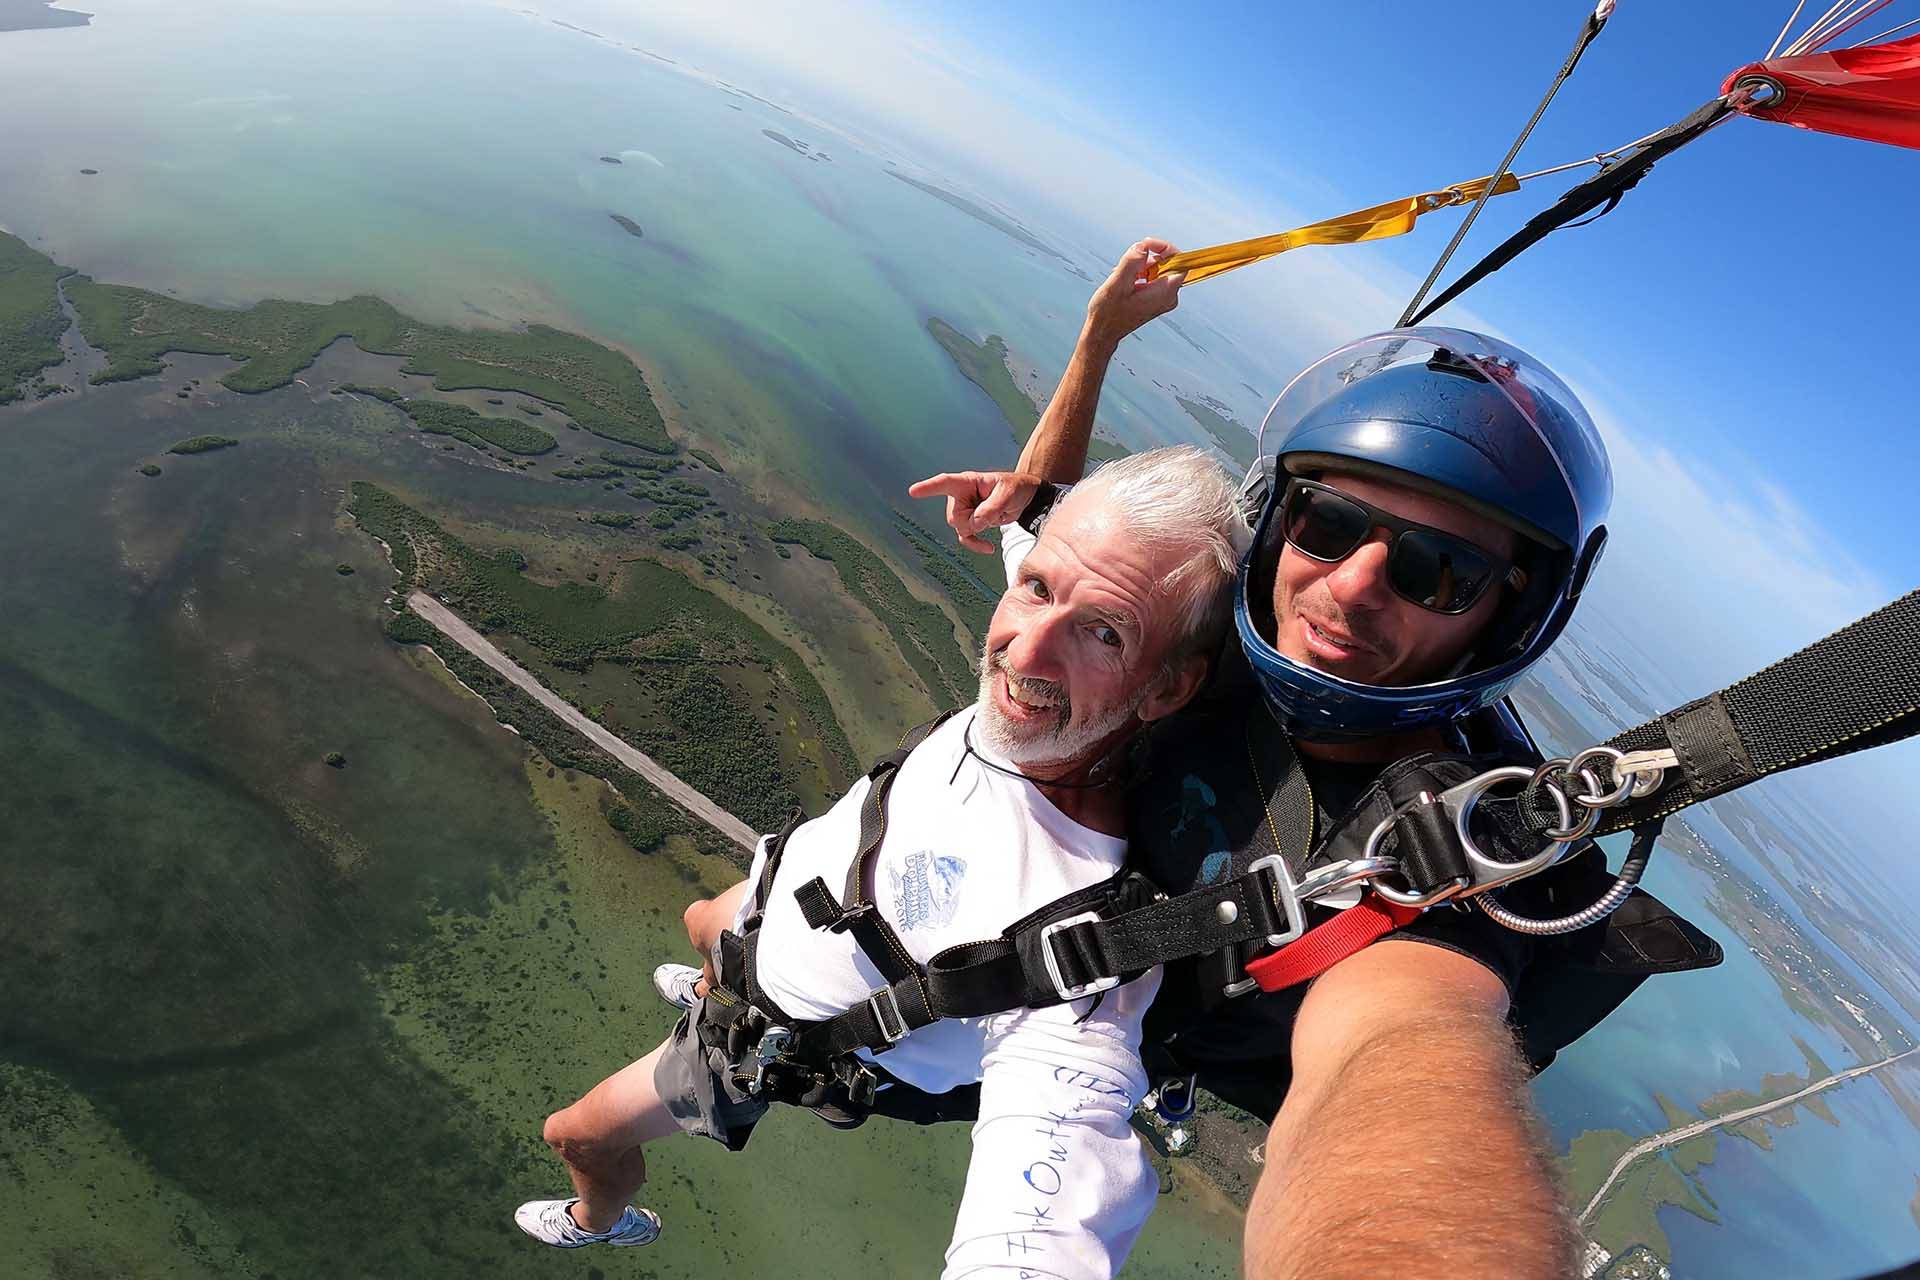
673, 641
923, 633
477, 429
386, 394
203, 444
31, 321
1006, 226
1669, 1177
984, 364
1217, 420
969, 592
596, 386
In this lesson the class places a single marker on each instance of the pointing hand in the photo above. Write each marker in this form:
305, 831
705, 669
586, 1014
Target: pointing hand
979, 500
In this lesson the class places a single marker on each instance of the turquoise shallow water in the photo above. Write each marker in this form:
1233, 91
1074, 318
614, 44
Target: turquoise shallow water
447, 156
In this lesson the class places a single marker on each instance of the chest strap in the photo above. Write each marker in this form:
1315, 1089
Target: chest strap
1087, 942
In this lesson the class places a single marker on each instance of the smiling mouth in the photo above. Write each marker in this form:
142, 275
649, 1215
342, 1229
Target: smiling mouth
1025, 699
1330, 645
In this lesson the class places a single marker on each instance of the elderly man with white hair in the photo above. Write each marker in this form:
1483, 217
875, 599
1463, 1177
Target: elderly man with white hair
1000, 810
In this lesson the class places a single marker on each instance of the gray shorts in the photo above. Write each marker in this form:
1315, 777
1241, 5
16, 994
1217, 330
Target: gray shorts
699, 1093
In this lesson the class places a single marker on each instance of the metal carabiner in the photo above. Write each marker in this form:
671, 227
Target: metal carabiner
1483, 872
773, 1046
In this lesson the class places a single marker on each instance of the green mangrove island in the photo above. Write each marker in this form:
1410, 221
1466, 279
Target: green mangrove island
984, 364
596, 386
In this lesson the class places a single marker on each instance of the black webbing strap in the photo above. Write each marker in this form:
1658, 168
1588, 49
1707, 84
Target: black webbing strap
1856, 689
1588, 30
763, 888
1031, 966
903, 1004
1289, 803
1604, 188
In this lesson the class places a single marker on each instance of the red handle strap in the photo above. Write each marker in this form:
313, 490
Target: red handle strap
1327, 944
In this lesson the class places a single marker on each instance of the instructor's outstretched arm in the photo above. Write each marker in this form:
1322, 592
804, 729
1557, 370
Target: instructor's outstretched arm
1407, 1144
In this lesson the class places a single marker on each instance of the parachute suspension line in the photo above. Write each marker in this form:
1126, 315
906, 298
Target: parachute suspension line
1600, 158
1591, 28
1860, 16
1890, 31
1791, 19
1834, 23
1803, 44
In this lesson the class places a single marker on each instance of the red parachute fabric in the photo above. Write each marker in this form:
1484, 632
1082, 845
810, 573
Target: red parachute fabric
1871, 92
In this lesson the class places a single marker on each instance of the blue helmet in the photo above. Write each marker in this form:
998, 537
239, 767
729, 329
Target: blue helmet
1464, 417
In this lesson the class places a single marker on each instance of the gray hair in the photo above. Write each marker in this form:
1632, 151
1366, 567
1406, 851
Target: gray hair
1179, 498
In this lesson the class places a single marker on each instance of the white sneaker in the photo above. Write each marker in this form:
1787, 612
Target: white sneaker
675, 982
551, 1222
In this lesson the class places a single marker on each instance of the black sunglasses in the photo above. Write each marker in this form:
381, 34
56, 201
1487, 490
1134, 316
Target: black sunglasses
1430, 567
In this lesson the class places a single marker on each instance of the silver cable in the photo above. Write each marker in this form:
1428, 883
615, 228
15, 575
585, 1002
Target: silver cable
1911, 22
1595, 22
1630, 872
1810, 43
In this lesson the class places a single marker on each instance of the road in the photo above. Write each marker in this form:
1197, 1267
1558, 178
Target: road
646, 766
1673, 1137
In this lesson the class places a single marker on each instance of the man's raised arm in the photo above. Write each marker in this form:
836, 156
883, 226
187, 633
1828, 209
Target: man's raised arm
1056, 452
1057, 449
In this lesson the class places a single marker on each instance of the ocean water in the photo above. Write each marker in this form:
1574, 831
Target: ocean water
447, 156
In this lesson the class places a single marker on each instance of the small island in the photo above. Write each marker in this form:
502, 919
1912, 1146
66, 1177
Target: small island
984, 364
791, 144
203, 444
38, 15
1216, 418
628, 225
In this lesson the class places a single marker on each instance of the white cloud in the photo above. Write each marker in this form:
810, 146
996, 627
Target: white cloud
1716, 568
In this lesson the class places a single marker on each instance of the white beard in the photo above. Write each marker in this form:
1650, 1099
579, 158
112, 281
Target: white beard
1037, 745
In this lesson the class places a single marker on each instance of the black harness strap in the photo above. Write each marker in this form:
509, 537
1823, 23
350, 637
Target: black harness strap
1604, 188
1858, 688
904, 1004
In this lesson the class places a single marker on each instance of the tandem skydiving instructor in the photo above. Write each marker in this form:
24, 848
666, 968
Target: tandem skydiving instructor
1429, 509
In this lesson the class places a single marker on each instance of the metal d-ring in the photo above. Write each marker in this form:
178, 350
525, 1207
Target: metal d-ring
1548, 775
1613, 758
1776, 91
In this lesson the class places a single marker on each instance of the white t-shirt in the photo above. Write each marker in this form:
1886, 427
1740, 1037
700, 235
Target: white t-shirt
1058, 1185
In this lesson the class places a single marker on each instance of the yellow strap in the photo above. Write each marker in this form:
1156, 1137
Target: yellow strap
1394, 218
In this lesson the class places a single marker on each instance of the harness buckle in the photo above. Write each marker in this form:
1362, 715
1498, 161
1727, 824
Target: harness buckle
1287, 894
773, 1046
880, 1015
850, 916
1070, 991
